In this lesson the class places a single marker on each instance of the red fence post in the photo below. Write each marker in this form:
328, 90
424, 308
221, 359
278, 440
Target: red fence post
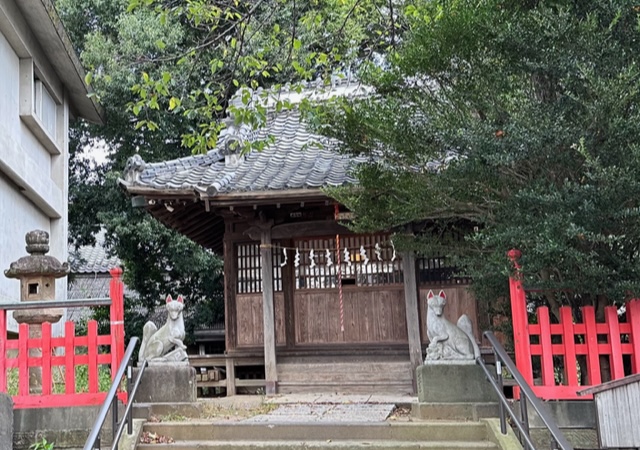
116, 292
593, 355
3, 350
69, 358
92, 359
617, 366
546, 358
633, 318
569, 343
23, 359
46, 358
521, 340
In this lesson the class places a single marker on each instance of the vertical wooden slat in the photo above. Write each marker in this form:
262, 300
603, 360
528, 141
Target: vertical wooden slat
617, 366
546, 359
633, 318
411, 308
3, 350
232, 285
569, 343
46, 359
593, 355
271, 373
288, 280
92, 361
23, 359
69, 358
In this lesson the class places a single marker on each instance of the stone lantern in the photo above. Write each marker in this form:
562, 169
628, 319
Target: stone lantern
37, 274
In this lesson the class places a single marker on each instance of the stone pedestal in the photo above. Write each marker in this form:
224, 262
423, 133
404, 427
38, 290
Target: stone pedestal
6, 421
453, 383
167, 382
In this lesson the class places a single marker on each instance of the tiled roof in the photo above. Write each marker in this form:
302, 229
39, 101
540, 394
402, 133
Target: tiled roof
296, 159
92, 258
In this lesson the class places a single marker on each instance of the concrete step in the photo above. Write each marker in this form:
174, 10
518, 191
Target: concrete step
454, 411
407, 432
340, 387
321, 445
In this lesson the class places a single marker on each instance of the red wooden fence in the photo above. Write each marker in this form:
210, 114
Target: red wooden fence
558, 346
76, 351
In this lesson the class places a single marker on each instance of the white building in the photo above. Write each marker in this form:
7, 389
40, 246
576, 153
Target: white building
42, 88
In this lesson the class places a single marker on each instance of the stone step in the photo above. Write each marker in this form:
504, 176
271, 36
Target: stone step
351, 387
454, 411
321, 445
407, 432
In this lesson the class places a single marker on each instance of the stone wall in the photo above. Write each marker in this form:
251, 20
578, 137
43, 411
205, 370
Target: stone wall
67, 428
6, 422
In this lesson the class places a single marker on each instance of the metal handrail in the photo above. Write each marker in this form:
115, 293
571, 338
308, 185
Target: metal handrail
526, 392
46, 304
93, 441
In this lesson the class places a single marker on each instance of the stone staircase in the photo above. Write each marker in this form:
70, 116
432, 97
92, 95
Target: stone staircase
433, 435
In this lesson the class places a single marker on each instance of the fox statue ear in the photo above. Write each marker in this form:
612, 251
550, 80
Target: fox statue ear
430, 294
169, 299
180, 299
442, 294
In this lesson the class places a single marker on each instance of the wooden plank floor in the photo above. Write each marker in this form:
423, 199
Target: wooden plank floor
345, 375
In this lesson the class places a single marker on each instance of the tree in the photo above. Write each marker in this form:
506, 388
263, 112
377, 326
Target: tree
519, 119
165, 72
157, 260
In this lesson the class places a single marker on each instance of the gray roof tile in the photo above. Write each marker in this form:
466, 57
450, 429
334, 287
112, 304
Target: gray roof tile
92, 259
294, 160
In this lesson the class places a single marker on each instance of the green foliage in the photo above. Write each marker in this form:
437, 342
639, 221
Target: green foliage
165, 72
518, 119
121, 47
81, 374
42, 444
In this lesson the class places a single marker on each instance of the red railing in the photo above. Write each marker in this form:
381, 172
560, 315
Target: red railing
64, 355
560, 346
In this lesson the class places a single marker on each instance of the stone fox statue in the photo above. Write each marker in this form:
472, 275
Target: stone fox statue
446, 340
156, 343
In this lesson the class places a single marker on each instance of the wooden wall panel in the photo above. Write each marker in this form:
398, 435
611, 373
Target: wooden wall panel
459, 301
371, 316
250, 321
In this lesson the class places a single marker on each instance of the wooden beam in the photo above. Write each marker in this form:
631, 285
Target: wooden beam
412, 312
268, 310
300, 229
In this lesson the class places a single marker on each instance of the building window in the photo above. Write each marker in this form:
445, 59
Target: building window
249, 269
45, 108
41, 107
438, 270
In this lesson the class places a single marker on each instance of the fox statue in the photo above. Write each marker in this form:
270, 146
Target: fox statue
446, 340
165, 343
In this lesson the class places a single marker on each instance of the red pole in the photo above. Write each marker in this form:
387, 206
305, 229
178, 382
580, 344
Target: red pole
633, 318
521, 340
116, 292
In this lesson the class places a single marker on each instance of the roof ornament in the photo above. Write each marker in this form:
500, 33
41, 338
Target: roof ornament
133, 168
233, 139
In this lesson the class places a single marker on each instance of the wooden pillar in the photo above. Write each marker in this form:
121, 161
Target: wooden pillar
288, 290
412, 311
271, 373
230, 365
